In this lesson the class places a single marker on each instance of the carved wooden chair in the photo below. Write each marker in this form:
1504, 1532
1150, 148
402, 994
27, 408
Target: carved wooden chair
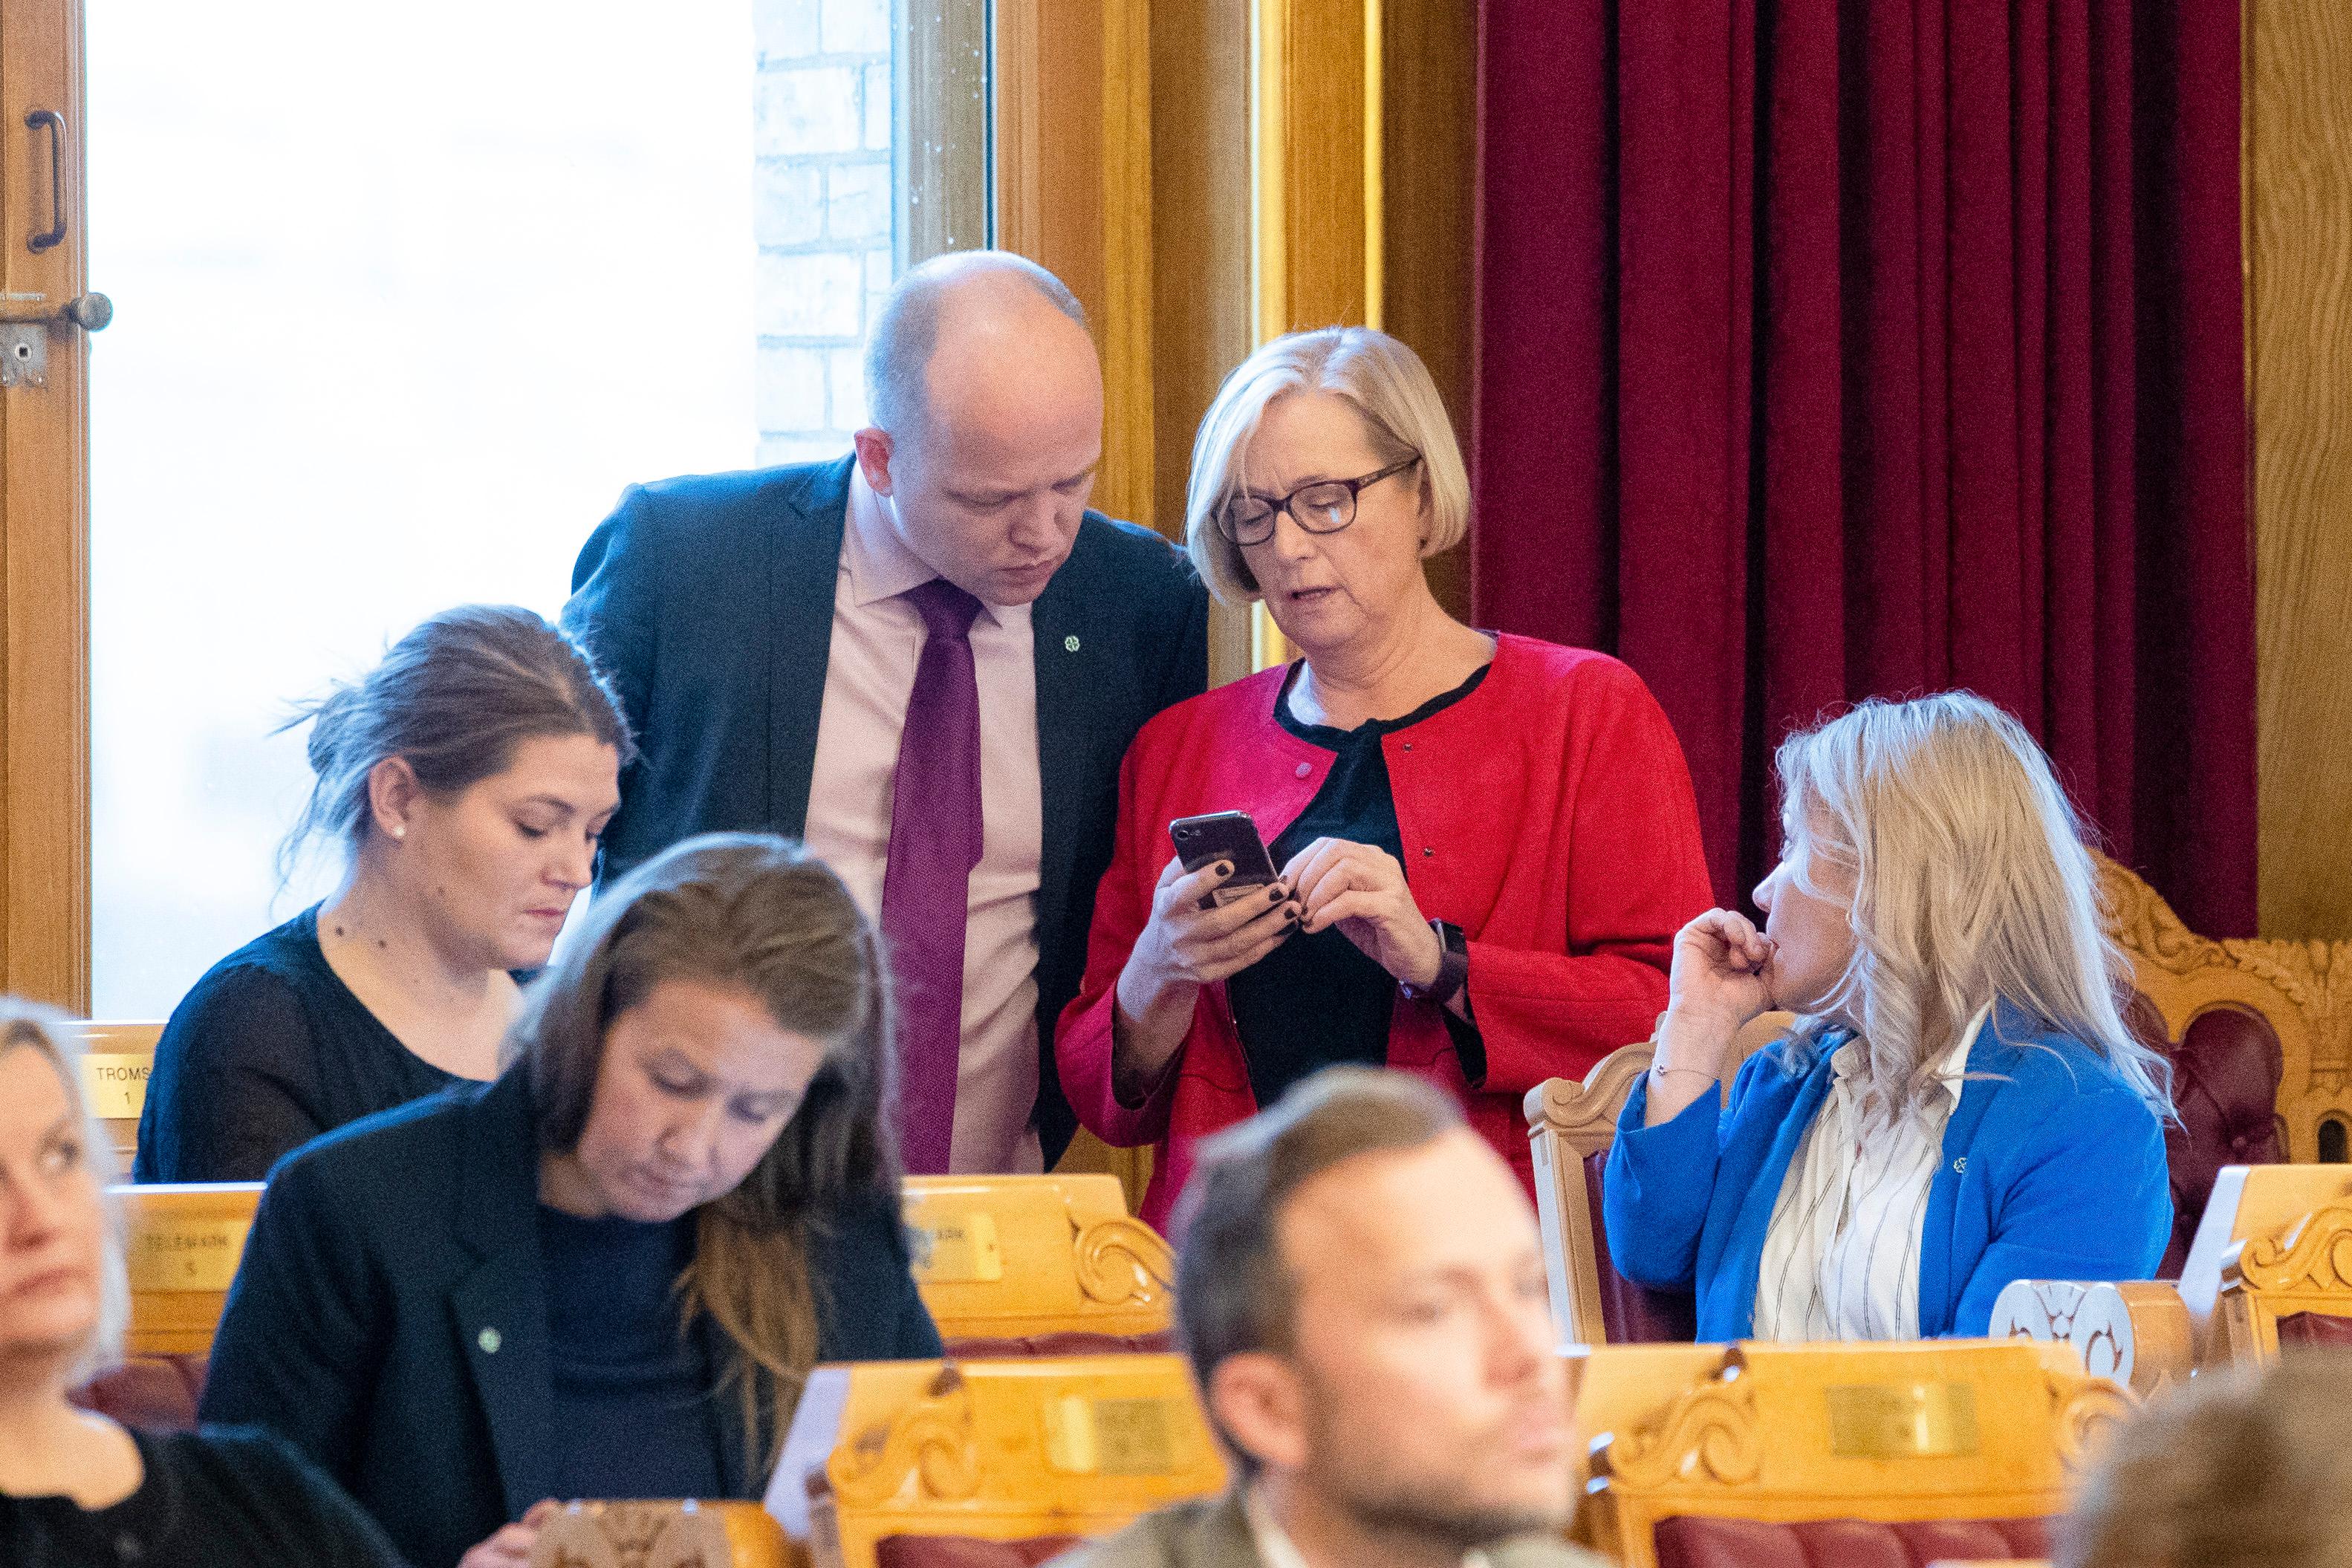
1012, 1265
1895, 1453
181, 1247
116, 1060
2152, 1333
1570, 1126
906, 1463
2291, 1287
662, 1534
2258, 1040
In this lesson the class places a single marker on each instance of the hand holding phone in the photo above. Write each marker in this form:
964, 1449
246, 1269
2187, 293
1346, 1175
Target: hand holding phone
1224, 836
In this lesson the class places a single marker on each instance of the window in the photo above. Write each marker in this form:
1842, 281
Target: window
403, 301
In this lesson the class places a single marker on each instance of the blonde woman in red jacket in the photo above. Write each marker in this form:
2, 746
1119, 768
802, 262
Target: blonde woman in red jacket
1484, 845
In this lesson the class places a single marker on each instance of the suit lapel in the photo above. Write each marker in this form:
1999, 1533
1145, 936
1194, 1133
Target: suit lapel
804, 563
1068, 657
499, 1309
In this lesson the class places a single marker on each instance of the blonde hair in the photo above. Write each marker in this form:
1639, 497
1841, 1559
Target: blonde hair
752, 913
1970, 884
1389, 387
28, 1024
2248, 1467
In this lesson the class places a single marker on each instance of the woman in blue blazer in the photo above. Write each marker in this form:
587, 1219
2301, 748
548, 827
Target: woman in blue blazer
607, 1272
1960, 1104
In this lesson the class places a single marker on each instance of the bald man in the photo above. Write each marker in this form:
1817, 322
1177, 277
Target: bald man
925, 659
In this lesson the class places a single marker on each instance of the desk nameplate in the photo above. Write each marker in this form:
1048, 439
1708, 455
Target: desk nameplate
193, 1255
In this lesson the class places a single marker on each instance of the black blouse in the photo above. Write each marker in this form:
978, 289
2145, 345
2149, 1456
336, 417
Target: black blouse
1318, 999
269, 1050
219, 1497
633, 1412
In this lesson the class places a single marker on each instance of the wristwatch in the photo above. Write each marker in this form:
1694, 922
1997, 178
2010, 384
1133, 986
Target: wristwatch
1453, 966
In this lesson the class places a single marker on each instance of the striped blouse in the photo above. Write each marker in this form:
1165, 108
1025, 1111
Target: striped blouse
1842, 1252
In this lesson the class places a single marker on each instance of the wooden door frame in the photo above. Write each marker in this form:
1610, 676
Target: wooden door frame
45, 807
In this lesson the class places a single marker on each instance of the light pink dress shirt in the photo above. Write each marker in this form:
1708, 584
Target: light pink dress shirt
869, 674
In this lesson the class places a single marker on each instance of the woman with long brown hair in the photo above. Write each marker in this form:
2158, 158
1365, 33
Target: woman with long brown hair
607, 1273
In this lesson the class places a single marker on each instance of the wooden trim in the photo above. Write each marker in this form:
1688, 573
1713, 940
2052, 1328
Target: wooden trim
45, 531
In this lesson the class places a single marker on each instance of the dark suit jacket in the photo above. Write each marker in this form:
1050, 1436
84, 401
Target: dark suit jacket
390, 1317
709, 601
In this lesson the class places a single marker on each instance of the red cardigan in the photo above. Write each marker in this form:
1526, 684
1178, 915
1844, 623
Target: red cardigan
1549, 814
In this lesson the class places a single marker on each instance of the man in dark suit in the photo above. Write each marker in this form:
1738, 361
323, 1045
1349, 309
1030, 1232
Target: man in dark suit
926, 661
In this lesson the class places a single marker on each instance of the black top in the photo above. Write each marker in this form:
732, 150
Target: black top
221, 1498
709, 599
269, 1050
632, 1414
1318, 999
391, 1317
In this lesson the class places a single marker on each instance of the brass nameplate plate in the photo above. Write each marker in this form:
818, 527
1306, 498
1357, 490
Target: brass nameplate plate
195, 1255
116, 1084
1110, 1436
957, 1249
1902, 1420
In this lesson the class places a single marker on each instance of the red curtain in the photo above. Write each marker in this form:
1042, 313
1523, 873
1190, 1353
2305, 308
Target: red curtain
1839, 348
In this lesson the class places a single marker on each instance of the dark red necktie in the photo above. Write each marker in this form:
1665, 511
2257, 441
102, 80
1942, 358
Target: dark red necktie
935, 842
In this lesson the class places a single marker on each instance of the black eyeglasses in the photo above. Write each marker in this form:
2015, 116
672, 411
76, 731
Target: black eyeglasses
1323, 507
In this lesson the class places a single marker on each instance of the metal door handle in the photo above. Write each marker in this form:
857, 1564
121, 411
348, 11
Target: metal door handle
55, 234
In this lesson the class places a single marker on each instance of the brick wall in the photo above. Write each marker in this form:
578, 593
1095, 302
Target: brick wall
820, 211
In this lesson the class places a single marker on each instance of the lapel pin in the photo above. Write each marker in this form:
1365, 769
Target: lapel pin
1070, 644
489, 1342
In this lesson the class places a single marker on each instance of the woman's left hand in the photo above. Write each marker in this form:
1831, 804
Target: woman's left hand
1361, 890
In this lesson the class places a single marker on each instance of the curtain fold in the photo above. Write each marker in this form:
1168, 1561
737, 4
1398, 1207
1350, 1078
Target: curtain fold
1839, 348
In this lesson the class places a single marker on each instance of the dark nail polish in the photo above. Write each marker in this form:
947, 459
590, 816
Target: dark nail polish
1224, 868
1275, 892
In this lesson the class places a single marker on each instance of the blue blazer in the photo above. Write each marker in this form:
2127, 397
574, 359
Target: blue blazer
709, 601
2054, 1169
390, 1317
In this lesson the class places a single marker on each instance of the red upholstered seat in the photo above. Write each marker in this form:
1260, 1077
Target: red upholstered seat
1024, 1346
1705, 1543
154, 1393
968, 1550
1632, 1313
2226, 1070
2313, 1328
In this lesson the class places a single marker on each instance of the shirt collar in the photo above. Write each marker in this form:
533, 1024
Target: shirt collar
877, 560
1846, 1062
1276, 1550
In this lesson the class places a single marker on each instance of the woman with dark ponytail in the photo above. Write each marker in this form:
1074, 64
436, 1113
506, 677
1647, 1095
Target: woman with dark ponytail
465, 779
608, 1274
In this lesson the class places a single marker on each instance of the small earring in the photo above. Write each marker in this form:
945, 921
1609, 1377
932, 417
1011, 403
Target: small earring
400, 832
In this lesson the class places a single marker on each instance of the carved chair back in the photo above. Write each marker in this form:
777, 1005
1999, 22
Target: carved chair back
1006, 1258
1571, 1126
1952, 1448
1003, 1451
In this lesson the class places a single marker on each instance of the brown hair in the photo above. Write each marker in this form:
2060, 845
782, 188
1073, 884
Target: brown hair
2248, 1467
453, 698
747, 911
1233, 1293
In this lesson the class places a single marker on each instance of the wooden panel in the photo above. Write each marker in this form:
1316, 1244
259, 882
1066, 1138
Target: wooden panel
1319, 165
1074, 194
182, 1245
2298, 195
1429, 80
1005, 1257
44, 531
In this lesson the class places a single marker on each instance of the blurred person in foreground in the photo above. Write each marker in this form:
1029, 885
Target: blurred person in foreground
77, 1488
1361, 1291
2248, 1467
